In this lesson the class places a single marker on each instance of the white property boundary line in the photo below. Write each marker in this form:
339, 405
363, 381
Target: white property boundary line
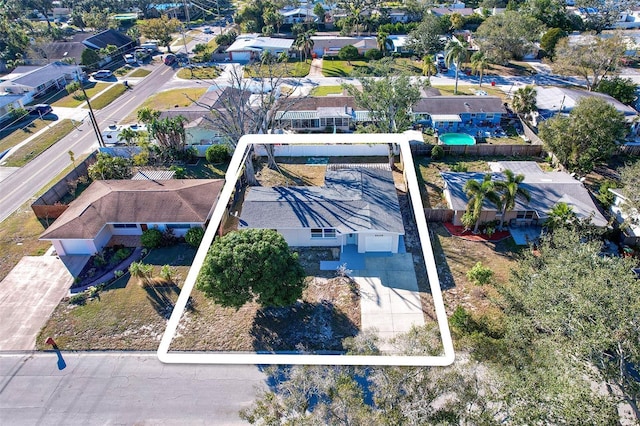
232, 176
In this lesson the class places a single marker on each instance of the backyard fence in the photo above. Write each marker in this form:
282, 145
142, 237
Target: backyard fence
48, 205
482, 150
439, 215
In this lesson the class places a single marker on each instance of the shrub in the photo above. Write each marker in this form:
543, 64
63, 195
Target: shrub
179, 172
99, 260
480, 274
461, 319
193, 237
217, 154
373, 54
459, 168
437, 152
151, 238
168, 272
605, 196
78, 299
118, 273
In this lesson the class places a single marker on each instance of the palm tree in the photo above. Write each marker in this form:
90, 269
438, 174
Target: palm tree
456, 52
382, 39
477, 192
128, 135
524, 100
304, 42
510, 191
147, 115
479, 62
560, 215
428, 66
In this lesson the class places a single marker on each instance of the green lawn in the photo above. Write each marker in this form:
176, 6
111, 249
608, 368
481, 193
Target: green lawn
39, 144
337, 68
169, 99
140, 72
72, 101
108, 96
326, 90
466, 89
11, 138
295, 69
199, 73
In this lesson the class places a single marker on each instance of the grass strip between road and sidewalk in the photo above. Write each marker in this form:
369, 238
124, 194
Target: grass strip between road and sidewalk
70, 101
108, 96
39, 144
9, 140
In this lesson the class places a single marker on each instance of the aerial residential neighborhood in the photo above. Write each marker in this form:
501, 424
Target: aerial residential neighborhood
320, 212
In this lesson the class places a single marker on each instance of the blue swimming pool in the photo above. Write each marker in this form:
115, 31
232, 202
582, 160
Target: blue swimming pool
457, 139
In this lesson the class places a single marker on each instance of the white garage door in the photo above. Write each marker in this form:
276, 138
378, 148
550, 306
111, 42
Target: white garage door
378, 243
76, 247
241, 56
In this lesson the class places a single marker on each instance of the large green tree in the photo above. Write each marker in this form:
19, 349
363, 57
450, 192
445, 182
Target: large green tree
425, 38
252, 264
479, 63
630, 179
591, 57
589, 135
585, 307
160, 29
524, 100
623, 89
507, 36
550, 39
108, 167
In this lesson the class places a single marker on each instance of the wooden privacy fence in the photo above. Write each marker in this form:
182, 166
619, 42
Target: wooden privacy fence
48, 205
482, 150
439, 215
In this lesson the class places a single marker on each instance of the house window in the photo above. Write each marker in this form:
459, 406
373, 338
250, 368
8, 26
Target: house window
317, 233
529, 214
178, 226
489, 116
125, 225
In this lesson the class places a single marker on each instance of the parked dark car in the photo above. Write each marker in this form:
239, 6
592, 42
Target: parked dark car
40, 109
170, 59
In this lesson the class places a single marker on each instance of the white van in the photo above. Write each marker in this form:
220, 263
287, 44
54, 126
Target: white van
151, 45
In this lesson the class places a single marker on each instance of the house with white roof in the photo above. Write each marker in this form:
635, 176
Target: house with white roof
31, 82
629, 221
7, 104
248, 47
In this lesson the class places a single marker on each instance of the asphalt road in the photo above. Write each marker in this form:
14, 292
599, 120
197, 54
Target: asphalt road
21, 185
121, 388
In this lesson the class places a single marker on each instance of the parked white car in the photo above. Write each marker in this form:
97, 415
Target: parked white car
102, 74
129, 59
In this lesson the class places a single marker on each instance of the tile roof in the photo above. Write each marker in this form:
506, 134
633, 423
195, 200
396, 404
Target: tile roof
135, 201
352, 199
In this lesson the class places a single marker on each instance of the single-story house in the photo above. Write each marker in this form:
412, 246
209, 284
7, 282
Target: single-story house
69, 48
110, 37
630, 226
545, 188
451, 113
396, 44
356, 205
7, 104
320, 113
331, 45
442, 11
298, 15
248, 47
561, 100
31, 82
128, 207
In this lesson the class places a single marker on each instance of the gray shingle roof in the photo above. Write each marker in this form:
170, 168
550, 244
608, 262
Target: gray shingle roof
353, 199
107, 37
545, 188
459, 105
42, 75
135, 201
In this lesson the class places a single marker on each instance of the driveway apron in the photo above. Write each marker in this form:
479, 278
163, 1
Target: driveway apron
28, 296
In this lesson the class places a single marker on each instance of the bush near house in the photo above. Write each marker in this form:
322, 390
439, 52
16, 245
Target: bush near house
151, 238
217, 154
194, 236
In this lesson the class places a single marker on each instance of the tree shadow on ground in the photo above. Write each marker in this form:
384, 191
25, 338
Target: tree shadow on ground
163, 296
303, 327
447, 281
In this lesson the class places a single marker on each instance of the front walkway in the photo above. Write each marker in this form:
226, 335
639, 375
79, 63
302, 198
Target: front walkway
316, 68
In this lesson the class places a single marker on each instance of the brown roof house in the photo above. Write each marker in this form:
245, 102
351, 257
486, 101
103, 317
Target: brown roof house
128, 207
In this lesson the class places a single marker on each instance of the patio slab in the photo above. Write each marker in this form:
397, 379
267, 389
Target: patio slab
522, 236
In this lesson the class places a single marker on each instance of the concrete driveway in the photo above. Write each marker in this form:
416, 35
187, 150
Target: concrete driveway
390, 300
28, 296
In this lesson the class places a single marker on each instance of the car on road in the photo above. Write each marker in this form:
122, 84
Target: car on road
207, 30
102, 74
129, 59
169, 59
40, 109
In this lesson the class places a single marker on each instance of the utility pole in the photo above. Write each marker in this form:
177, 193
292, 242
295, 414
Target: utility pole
92, 117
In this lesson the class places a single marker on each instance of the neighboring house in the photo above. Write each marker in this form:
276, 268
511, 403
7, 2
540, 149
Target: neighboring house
106, 38
7, 104
630, 228
248, 47
357, 205
32, 82
331, 45
545, 188
72, 48
451, 113
442, 11
396, 44
111, 134
561, 100
320, 113
128, 207
298, 15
